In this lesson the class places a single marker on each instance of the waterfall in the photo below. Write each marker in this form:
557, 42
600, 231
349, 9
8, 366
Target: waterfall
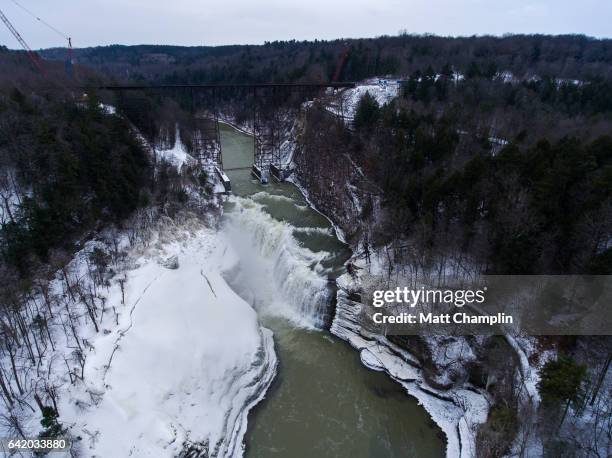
289, 278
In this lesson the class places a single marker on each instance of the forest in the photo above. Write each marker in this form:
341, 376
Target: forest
565, 56
514, 174
76, 166
68, 167
529, 208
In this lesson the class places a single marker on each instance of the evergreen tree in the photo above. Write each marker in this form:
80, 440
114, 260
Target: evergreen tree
367, 113
561, 382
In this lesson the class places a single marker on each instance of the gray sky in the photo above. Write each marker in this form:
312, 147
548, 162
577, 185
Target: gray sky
206, 22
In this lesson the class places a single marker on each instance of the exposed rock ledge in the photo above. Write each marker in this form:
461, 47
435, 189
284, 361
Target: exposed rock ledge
457, 411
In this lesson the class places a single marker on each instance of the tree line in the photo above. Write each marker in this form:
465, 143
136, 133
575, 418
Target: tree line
564, 56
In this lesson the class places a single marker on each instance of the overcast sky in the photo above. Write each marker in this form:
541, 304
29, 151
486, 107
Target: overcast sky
206, 22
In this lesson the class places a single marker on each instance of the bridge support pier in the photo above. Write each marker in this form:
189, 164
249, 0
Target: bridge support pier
225, 181
260, 173
278, 172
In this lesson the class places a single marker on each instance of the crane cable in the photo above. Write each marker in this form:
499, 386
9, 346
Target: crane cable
42, 21
31, 54
54, 29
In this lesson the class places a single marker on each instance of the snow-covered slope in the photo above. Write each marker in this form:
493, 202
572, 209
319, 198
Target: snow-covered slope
10, 195
382, 90
184, 365
178, 154
457, 411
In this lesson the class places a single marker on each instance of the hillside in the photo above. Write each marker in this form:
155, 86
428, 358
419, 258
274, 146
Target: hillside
522, 56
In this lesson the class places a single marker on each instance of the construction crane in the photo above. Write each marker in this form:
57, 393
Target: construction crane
31, 54
69, 65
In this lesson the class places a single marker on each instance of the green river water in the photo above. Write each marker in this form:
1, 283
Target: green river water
323, 402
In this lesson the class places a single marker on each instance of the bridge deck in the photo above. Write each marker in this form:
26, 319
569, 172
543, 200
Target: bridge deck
128, 87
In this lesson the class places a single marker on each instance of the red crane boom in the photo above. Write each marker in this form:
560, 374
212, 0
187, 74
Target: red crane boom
31, 54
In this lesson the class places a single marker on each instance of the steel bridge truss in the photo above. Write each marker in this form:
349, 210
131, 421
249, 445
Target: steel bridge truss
270, 126
206, 140
270, 118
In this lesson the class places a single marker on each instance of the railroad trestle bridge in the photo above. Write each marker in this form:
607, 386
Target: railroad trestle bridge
267, 121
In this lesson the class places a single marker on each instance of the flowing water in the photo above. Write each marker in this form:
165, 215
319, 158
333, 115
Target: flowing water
323, 402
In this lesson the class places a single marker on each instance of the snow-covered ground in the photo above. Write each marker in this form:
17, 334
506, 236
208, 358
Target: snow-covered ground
345, 103
179, 359
108, 109
178, 154
183, 366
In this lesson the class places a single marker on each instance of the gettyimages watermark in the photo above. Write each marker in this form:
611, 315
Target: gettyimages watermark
496, 304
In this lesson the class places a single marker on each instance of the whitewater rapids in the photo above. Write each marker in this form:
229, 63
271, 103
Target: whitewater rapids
289, 279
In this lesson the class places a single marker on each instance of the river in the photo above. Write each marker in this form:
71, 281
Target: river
323, 402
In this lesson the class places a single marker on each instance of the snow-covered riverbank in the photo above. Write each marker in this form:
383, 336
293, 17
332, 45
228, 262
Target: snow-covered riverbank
177, 360
185, 364
457, 411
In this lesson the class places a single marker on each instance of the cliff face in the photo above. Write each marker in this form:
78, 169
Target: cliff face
333, 181
458, 410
